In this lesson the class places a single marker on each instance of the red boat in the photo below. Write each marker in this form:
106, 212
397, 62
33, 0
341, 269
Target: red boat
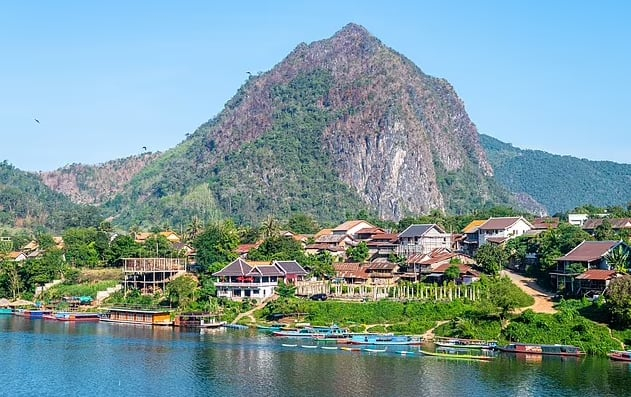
620, 355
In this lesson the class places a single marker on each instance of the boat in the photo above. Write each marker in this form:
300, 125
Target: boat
620, 355
309, 346
32, 313
370, 350
198, 320
328, 347
289, 345
236, 326
465, 343
329, 333
458, 354
75, 316
384, 339
138, 316
553, 350
6, 310
350, 349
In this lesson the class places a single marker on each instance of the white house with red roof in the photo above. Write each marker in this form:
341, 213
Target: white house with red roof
255, 280
501, 229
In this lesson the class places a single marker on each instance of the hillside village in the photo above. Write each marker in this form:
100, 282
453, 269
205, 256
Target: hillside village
361, 254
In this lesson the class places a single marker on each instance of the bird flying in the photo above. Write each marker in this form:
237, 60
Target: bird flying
144, 148
36, 120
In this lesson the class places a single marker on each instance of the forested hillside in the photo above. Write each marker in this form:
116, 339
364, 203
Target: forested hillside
26, 202
560, 183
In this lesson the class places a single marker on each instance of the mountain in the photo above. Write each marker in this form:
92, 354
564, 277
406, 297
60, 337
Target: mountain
96, 184
338, 126
560, 183
25, 202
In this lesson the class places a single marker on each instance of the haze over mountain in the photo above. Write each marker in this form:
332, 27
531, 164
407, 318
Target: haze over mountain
338, 126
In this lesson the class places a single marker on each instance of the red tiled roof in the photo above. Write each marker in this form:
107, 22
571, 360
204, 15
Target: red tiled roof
350, 270
370, 230
381, 266
464, 269
500, 223
616, 223
346, 226
385, 237
324, 247
588, 251
597, 275
245, 248
545, 223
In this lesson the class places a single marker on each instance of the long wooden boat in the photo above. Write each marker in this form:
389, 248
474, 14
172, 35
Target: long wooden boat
553, 350
329, 333
198, 320
385, 340
620, 355
31, 313
465, 343
138, 316
78, 317
457, 354
6, 310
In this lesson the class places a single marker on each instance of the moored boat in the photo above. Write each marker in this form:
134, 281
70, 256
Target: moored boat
553, 350
620, 355
329, 333
381, 339
465, 343
458, 354
32, 313
138, 316
77, 316
198, 320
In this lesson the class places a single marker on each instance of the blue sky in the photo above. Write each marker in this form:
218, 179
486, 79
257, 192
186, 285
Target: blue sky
107, 78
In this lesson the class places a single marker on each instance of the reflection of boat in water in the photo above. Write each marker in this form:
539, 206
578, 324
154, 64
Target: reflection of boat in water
309, 346
459, 354
350, 349
620, 355
553, 350
380, 339
329, 347
465, 343
289, 345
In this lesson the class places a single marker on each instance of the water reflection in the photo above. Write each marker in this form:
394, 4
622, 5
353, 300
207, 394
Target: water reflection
54, 358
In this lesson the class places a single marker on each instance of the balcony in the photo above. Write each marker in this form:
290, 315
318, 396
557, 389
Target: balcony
246, 285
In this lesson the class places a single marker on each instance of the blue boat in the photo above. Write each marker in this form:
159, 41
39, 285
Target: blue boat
322, 333
384, 339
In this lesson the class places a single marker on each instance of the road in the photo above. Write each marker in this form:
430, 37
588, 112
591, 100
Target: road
543, 299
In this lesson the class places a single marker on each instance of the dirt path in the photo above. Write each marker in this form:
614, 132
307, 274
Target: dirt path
249, 313
429, 334
543, 299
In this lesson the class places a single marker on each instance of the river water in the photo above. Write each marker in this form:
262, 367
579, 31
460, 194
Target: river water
50, 358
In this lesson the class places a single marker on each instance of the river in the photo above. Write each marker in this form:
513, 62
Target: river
50, 358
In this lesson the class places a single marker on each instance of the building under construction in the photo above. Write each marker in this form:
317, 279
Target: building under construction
151, 275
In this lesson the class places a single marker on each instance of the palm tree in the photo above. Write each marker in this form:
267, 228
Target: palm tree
194, 229
618, 259
270, 227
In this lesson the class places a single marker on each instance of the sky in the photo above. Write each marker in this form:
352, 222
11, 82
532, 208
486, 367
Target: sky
105, 79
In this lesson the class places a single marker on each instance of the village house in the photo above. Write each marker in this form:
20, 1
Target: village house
470, 242
467, 274
381, 273
16, 256
422, 238
588, 255
617, 224
502, 229
595, 281
255, 280
545, 223
382, 245
350, 273
351, 228
419, 266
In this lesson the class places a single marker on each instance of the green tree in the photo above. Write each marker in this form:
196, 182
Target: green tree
452, 273
491, 258
604, 231
619, 300
302, 224
278, 248
80, 247
216, 246
319, 265
505, 295
122, 247
359, 253
618, 259
270, 227
10, 280
285, 290
182, 291
193, 229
